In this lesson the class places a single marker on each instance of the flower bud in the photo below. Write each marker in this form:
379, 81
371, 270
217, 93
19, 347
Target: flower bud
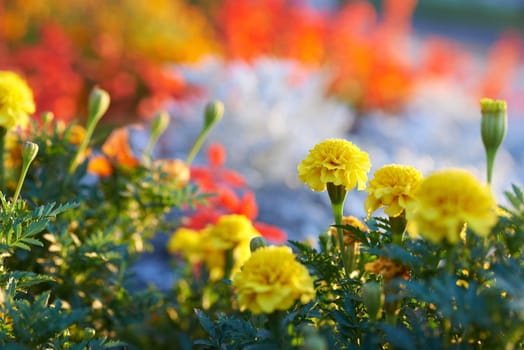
159, 125
98, 104
257, 242
373, 299
494, 124
47, 117
29, 152
213, 113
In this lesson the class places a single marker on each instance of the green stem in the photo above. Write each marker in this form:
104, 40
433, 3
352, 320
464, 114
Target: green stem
398, 226
20, 182
81, 149
196, 147
337, 213
3, 132
230, 261
275, 325
490, 161
337, 195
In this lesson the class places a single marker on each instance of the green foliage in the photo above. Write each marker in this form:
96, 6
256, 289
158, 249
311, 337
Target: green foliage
436, 296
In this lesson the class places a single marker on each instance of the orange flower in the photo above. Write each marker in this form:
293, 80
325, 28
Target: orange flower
99, 165
174, 169
118, 149
387, 268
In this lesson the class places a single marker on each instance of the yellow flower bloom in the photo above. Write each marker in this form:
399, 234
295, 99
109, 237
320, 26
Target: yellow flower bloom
16, 101
392, 186
210, 245
231, 230
272, 280
186, 242
335, 161
448, 199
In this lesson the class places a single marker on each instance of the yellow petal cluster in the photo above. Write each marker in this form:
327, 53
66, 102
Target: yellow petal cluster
335, 161
209, 245
16, 101
272, 280
446, 201
393, 187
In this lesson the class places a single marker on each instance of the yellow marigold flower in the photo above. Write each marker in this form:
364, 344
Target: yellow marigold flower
211, 244
16, 101
231, 230
272, 280
385, 267
215, 259
335, 161
186, 242
448, 199
392, 186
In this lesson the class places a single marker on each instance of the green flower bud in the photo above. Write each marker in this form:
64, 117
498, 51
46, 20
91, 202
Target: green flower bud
494, 125
213, 113
47, 117
159, 125
29, 152
98, 104
373, 299
257, 242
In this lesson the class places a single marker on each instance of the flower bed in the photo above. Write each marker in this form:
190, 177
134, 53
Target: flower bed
440, 269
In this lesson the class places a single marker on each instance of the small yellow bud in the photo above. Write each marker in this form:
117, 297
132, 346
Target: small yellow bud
257, 242
98, 104
494, 124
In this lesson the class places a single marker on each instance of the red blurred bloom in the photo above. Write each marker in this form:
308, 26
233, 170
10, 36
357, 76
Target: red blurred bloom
229, 195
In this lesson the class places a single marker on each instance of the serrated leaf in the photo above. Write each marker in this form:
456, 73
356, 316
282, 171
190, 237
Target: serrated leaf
35, 227
206, 323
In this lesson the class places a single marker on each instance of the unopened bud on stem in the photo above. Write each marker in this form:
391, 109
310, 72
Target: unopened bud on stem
494, 124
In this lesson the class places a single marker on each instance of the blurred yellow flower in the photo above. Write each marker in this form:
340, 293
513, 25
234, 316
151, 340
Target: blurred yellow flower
231, 230
16, 101
211, 244
448, 199
335, 161
392, 186
272, 280
186, 242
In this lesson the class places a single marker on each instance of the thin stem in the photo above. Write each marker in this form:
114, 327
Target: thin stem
81, 149
196, 147
20, 183
337, 213
490, 161
3, 132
